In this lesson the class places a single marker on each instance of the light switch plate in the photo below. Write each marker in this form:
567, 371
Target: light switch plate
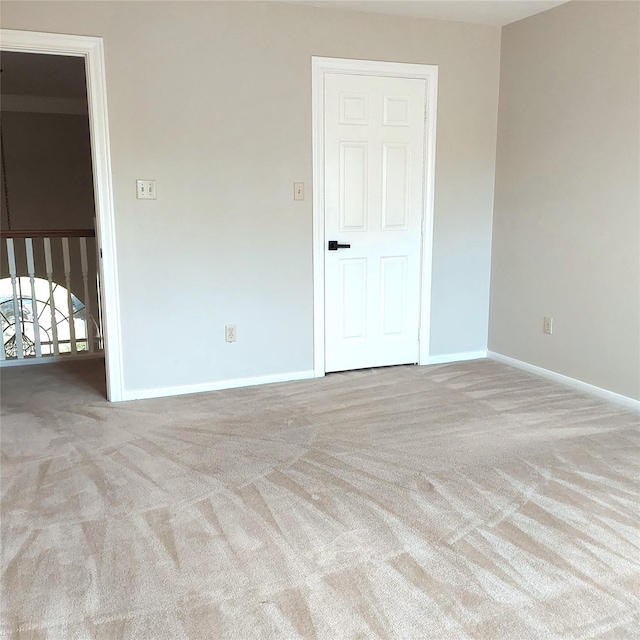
298, 190
146, 189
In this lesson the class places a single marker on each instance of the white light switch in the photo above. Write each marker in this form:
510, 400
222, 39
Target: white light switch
146, 189
298, 190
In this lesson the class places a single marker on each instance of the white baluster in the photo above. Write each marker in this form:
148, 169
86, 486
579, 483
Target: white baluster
100, 337
17, 308
66, 258
31, 270
87, 301
52, 306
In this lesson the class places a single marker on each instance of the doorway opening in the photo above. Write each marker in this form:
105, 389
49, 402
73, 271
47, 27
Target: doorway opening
58, 285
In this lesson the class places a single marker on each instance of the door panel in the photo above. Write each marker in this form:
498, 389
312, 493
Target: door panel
395, 185
353, 186
394, 291
374, 162
353, 299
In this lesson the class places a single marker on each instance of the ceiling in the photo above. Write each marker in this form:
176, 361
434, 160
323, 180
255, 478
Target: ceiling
491, 12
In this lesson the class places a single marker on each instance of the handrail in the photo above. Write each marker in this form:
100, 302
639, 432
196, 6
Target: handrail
50, 233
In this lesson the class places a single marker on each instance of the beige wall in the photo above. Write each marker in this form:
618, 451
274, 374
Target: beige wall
213, 100
48, 163
566, 234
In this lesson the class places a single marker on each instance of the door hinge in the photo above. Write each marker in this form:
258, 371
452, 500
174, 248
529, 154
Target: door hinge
426, 112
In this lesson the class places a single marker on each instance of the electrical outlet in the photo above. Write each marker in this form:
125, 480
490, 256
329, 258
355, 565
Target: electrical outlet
230, 332
547, 325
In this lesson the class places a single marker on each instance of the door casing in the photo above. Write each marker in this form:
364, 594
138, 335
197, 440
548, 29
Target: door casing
321, 67
92, 50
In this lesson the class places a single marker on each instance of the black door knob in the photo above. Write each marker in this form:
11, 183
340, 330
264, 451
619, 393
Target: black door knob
334, 245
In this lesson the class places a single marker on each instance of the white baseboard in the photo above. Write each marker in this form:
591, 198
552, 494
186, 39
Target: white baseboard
456, 357
585, 387
234, 383
21, 362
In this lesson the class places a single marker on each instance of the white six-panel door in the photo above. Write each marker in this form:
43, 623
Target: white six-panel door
374, 172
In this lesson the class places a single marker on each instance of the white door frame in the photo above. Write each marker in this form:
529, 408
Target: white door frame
319, 68
91, 49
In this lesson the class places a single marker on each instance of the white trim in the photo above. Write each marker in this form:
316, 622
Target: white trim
92, 50
319, 68
585, 387
456, 357
6, 364
234, 383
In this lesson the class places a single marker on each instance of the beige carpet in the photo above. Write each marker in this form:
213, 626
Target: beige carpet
455, 501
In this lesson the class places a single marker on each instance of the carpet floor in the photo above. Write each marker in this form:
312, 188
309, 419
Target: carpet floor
463, 501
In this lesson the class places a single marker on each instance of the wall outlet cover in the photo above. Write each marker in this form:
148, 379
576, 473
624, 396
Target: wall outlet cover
230, 332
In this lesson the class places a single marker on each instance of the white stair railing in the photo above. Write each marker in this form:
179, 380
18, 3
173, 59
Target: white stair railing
41, 283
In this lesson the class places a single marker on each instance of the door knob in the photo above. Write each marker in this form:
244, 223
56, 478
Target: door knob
334, 245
